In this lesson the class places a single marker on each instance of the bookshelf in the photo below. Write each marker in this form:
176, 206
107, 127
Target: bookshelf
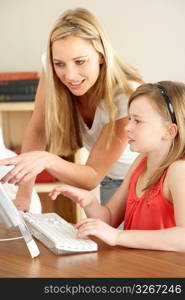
16, 106
14, 117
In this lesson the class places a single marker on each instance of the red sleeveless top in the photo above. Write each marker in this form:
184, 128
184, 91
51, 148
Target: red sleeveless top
152, 210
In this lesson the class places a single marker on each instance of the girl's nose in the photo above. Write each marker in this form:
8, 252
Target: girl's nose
128, 127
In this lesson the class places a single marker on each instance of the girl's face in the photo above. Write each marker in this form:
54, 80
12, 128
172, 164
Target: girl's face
76, 63
146, 128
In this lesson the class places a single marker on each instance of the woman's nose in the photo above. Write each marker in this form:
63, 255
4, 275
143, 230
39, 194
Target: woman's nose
70, 74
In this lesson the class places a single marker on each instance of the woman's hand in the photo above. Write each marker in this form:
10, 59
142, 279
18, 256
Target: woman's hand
26, 166
80, 196
98, 228
22, 204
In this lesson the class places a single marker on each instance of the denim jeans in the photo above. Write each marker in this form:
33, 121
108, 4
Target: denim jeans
108, 186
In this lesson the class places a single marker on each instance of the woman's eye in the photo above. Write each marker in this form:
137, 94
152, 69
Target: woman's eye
80, 62
59, 64
137, 121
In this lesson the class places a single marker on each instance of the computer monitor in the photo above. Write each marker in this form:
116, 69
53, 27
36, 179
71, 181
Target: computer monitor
11, 218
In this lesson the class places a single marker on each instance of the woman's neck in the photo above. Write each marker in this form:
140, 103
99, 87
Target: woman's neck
86, 102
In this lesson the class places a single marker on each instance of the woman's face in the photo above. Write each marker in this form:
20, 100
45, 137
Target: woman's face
76, 63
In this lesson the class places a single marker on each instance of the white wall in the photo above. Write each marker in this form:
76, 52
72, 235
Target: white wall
146, 33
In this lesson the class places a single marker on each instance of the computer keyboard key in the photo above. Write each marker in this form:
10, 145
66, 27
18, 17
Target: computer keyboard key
57, 234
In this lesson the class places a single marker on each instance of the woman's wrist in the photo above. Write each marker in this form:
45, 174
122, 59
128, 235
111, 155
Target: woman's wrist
51, 160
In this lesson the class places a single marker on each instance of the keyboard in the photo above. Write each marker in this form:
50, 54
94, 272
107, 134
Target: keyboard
57, 234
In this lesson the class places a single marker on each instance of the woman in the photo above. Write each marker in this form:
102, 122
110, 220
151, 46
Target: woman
81, 101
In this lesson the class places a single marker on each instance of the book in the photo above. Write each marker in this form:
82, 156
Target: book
17, 98
19, 89
18, 75
20, 82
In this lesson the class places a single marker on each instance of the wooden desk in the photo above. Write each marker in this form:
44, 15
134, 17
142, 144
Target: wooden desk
15, 261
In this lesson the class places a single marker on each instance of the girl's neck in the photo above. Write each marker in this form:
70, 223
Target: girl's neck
155, 159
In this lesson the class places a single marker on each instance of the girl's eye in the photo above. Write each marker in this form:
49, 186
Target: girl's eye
80, 62
137, 121
134, 120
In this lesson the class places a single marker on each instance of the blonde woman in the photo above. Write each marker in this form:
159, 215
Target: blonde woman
81, 101
151, 198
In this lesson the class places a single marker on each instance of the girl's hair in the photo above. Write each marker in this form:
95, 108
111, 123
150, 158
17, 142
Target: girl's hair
62, 125
176, 94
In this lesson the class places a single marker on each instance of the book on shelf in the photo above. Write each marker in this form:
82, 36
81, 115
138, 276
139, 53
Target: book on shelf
26, 88
18, 86
17, 98
18, 83
8, 76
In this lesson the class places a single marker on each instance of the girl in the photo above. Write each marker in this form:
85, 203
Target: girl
82, 100
151, 200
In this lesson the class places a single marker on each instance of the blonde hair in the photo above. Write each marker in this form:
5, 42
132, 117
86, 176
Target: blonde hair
176, 94
62, 124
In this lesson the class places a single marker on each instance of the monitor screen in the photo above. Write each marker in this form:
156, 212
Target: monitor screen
11, 218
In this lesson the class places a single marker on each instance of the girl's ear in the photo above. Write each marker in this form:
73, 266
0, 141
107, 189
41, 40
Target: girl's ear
171, 132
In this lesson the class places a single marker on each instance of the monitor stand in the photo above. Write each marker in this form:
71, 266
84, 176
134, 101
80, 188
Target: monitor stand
12, 218
30, 243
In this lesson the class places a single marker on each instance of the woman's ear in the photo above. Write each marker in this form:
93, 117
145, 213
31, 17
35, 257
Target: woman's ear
171, 132
101, 59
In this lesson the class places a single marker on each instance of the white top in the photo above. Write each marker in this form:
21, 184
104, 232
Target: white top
90, 135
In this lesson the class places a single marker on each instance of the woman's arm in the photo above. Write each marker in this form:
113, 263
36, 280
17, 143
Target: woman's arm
28, 165
98, 163
34, 139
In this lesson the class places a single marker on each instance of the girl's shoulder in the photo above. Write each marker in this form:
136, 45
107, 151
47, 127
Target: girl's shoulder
176, 170
177, 164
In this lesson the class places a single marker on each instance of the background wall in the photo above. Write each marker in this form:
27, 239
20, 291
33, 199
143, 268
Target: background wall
146, 33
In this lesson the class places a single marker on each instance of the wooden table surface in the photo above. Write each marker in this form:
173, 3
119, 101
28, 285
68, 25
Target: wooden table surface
15, 261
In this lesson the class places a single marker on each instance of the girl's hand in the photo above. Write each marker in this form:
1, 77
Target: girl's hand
80, 196
98, 228
26, 166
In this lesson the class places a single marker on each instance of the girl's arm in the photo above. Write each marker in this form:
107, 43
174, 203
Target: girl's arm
170, 239
112, 213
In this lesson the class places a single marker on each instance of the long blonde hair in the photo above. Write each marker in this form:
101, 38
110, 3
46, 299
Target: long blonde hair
62, 125
176, 94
